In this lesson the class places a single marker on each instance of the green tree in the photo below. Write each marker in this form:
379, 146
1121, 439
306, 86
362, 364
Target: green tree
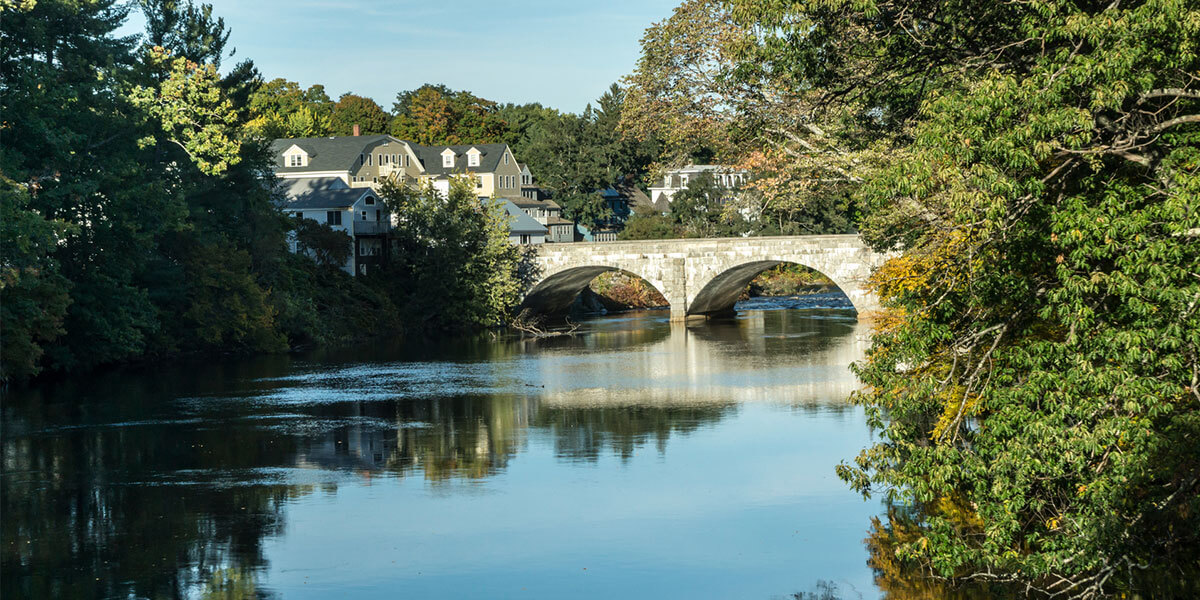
456, 267
279, 108
329, 247
705, 209
649, 225
35, 295
679, 91
1034, 371
351, 110
433, 114
522, 121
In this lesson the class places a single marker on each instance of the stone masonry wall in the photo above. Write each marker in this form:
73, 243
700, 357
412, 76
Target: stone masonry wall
702, 276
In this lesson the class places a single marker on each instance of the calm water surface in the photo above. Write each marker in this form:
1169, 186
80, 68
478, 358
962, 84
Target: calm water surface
638, 459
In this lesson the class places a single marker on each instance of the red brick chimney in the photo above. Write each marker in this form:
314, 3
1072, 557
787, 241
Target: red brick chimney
356, 130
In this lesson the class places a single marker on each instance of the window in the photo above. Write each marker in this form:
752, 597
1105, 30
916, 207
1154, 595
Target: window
374, 180
296, 160
370, 201
333, 217
393, 159
478, 182
506, 158
370, 162
299, 215
363, 213
362, 159
378, 215
472, 159
448, 158
524, 239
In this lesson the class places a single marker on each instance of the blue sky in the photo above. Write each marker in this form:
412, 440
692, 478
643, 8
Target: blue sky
563, 54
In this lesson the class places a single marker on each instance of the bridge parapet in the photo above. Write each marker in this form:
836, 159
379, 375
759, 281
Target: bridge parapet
702, 276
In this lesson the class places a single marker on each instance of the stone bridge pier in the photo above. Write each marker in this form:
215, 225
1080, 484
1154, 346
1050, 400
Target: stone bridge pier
700, 277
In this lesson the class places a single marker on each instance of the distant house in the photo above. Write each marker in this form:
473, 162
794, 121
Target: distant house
522, 228
492, 166
677, 179
621, 201
319, 171
356, 211
548, 213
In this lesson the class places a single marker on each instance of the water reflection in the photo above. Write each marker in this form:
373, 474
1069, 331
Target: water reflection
182, 482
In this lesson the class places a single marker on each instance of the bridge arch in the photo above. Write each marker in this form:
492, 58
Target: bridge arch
702, 276
721, 291
556, 290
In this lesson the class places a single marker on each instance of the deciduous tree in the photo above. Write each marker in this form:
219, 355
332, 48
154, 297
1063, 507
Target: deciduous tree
1034, 371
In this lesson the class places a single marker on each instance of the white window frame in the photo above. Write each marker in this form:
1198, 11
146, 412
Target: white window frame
472, 159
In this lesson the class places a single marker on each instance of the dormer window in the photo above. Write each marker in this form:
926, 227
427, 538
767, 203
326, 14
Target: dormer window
473, 157
295, 156
447, 158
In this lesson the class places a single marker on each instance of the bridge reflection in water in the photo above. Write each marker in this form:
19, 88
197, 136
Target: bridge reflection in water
469, 420
725, 362
235, 477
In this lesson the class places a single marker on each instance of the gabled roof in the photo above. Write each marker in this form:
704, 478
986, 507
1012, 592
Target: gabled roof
521, 223
431, 158
634, 197
328, 153
299, 186
317, 193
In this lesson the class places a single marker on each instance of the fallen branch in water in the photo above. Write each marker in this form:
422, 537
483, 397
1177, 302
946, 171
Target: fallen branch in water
528, 324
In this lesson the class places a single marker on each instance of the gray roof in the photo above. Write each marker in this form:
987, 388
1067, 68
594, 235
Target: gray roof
330, 199
528, 203
431, 158
635, 197
327, 153
520, 222
293, 187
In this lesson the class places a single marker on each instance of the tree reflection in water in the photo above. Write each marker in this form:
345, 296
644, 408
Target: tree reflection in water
165, 483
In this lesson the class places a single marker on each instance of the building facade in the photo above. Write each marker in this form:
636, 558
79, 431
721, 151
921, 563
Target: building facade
677, 179
334, 180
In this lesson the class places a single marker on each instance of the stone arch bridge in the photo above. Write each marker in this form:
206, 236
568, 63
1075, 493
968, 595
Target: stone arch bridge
701, 276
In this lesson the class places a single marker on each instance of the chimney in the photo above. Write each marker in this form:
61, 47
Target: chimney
356, 130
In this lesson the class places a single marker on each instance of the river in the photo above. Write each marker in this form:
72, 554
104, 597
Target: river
636, 459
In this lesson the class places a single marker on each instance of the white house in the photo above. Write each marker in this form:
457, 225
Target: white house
356, 211
677, 179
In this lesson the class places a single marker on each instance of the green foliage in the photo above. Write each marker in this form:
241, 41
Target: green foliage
135, 220
436, 115
280, 109
704, 209
456, 267
35, 295
677, 92
330, 247
190, 108
649, 225
351, 110
1034, 371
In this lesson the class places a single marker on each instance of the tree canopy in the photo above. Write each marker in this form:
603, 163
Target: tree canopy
1035, 167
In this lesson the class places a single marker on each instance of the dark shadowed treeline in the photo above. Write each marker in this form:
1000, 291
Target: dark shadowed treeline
136, 202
